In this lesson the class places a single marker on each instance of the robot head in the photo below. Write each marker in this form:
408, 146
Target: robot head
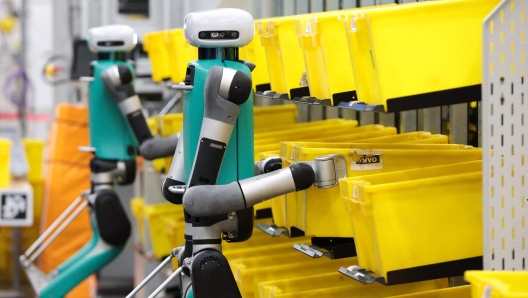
219, 28
111, 38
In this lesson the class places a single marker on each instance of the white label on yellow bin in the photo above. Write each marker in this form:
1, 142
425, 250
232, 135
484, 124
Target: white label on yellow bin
292, 155
364, 160
355, 192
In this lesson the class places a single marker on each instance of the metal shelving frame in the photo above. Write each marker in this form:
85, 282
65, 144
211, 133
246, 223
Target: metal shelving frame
503, 137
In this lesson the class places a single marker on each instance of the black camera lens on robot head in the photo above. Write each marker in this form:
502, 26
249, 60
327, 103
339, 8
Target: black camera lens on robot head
218, 34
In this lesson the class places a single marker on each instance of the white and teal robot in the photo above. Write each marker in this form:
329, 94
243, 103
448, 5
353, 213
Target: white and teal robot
118, 132
213, 171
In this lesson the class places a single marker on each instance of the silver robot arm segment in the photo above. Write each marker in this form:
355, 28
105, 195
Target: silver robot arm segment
248, 192
158, 147
225, 89
117, 80
328, 169
173, 186
324, 172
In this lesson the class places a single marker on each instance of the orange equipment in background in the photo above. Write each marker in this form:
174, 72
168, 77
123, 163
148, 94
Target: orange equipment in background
67, 175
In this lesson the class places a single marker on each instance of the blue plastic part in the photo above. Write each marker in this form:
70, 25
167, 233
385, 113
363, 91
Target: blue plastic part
238, 160
110, 133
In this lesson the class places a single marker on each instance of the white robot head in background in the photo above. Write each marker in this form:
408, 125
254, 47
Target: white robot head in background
111, 38
219, 28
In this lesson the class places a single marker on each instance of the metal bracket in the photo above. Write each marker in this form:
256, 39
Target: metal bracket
329, 169
37, 278
362, 275
361, 106
188, 262
311, 101
311, 251
331, 247
272, 94
273, 230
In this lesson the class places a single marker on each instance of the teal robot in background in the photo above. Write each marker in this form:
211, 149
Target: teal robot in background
118, 133
110, 136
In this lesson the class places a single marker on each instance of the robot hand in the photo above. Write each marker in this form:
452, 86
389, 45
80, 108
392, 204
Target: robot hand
245, 193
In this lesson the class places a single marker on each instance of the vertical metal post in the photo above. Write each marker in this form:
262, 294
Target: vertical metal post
331, 112
408, 121
15, 253
268, 9
302, 7
288, 8
152, 180
431, 120
366, 118
316, 113
316, 6
22, 114
22, 65
479, 124
349, 114
387, 119
303, 113
458, 123
332, 5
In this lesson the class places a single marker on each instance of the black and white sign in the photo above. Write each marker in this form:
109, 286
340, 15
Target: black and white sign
16, 206
365, 160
